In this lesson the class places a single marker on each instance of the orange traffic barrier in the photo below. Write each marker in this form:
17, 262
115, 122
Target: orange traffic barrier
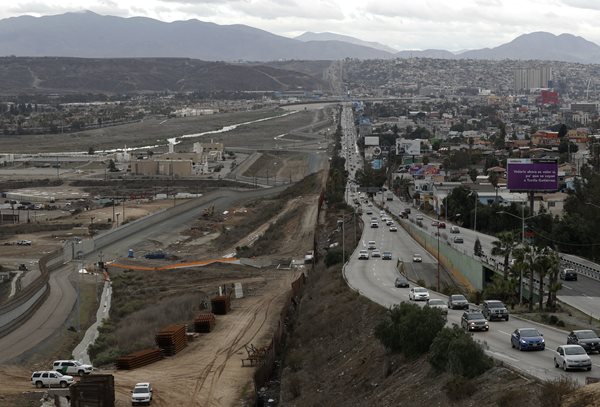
173, 266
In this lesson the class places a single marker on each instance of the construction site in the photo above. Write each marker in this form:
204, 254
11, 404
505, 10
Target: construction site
199, 284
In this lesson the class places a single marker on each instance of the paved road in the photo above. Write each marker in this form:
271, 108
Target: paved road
52, 315
374, 278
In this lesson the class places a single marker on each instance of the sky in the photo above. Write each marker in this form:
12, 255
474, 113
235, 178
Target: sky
453, 25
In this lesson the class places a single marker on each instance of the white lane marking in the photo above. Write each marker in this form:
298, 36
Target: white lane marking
567, 287
505, 333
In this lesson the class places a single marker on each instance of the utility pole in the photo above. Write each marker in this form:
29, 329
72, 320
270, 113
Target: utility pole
438, 253
343, 238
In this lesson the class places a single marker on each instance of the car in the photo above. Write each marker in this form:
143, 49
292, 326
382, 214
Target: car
72, 367
527, 338
417, 258
419, 217
494, 309
457, 239
371, 245
454, 229
24, 242
50, 379
586, 338
155, 255
393, 228
474, 321
568, 274
386, 256
572, 357
457, 301
418, 294
407, 210
363, 255
439, 304
389, 222
369, 212
376, 253
141, 394
401, 281
441, 225
374, 225
435, 223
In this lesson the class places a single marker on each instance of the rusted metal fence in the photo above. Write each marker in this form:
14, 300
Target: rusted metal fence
265, 370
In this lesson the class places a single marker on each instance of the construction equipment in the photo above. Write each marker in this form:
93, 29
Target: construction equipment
256, 356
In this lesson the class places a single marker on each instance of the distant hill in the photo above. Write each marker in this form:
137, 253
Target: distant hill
90, 35
126, 75
428, 53
543, 46
327, 36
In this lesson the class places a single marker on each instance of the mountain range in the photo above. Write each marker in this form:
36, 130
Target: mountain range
89, 35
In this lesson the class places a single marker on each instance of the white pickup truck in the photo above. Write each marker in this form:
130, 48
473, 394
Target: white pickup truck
309, 257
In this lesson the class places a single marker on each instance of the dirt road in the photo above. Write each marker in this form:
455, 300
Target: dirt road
209, 371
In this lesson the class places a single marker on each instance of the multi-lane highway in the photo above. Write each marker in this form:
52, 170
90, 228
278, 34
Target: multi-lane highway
374, 278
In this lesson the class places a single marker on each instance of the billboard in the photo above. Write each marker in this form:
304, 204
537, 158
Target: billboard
408, 147
527, 175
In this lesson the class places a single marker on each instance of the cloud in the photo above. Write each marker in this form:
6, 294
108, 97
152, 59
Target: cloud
584, 4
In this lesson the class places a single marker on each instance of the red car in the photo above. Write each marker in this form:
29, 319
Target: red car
441, 225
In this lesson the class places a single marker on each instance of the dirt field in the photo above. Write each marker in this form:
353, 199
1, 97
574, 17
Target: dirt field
209, 371
143, 133
280, 165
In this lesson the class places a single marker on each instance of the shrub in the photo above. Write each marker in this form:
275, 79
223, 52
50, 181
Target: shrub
334, 256
410, 329
455, 351
458, 388
552, 392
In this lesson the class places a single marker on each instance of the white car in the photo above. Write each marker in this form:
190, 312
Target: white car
439, 304
50, 379
371, 245
417, 258
363, 255
141, 394
376, 253
572, 357
393, 228
72, 367
418, 294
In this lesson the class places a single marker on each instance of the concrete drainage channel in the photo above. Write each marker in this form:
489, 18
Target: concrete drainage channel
81, 350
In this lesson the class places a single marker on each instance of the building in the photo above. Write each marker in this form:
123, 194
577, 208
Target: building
545, 138
532, 78
548, 97
170, 168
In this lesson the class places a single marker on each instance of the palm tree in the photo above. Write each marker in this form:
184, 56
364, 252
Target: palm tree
494, 178
531, 255
553, 284
504, 246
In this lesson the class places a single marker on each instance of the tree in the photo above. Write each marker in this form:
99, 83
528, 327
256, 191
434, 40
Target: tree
425, 160
494, 178
112, 166
473, 173
91, 150
504, 247
477, 249
553, 284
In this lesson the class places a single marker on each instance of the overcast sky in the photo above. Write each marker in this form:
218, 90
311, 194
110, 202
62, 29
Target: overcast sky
403, 24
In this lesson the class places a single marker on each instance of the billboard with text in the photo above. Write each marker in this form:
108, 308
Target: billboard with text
527, 175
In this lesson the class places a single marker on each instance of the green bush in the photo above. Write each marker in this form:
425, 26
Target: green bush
455, 351
410, 329
334, 256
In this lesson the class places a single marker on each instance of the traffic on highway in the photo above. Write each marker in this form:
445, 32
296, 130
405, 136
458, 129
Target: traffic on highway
505, 338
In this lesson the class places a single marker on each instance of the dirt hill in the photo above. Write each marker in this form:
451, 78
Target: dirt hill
126, 75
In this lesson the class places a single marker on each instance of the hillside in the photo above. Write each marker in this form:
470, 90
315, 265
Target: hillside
90, 35
64, 75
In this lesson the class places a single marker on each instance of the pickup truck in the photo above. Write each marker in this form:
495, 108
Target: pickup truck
309, 257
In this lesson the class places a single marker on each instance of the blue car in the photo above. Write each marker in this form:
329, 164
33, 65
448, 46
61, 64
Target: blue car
527, 339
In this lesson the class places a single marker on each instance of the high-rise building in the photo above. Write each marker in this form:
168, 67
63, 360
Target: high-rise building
532, 78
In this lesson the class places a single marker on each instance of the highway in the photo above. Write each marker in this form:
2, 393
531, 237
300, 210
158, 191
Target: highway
374, 279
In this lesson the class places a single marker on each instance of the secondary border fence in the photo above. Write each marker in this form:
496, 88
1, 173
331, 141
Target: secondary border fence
264, 372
